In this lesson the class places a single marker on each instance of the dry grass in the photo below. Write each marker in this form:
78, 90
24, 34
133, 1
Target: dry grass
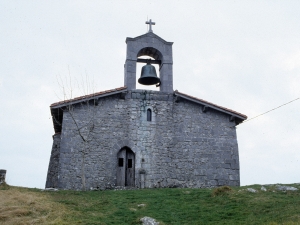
22, 206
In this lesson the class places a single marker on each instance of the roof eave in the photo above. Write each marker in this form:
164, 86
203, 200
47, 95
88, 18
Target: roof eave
204, 103
68, 102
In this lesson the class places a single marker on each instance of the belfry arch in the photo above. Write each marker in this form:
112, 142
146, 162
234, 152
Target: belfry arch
147, 76
151, 45
152, 52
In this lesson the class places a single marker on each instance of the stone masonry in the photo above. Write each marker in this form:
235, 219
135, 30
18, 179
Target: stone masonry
181, 147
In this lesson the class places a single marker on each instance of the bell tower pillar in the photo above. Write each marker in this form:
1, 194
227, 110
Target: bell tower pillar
154, 46
130, 74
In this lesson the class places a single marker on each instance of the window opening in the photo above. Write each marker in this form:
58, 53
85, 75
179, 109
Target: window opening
149, 115
121, 163
129, 163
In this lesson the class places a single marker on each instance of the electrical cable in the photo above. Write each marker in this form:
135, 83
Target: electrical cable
269, 111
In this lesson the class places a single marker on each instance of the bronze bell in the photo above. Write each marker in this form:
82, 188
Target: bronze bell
148, 75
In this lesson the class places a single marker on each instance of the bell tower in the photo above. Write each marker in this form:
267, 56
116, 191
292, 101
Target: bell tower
149, 44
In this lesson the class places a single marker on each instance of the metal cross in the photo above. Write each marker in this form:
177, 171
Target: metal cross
150, 25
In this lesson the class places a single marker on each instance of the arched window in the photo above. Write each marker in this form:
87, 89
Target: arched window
149, 115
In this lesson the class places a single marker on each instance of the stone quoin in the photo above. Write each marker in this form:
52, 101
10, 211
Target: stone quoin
142, 138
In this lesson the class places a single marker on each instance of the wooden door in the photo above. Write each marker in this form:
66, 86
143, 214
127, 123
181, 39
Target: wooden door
126, 168
121, 167
129, 177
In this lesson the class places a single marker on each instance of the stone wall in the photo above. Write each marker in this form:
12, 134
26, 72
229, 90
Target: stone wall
52, 176
181, 147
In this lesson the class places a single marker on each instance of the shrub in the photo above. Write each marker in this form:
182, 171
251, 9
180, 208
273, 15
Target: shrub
224, 190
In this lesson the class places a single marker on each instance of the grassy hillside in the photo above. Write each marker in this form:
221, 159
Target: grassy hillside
168, 206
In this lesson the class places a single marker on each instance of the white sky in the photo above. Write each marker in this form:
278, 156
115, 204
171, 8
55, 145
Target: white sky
243, 55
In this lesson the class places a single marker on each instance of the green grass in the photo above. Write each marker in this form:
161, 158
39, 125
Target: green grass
180, 206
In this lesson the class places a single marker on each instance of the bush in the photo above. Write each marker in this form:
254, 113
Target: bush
224, 190
4, 186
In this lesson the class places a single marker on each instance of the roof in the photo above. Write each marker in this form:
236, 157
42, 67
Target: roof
56, 108
210, 105
124, 89
149, 34
88, 97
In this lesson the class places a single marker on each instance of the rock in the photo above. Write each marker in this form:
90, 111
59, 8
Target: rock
149, 221
285, 188
263, 188
125, 188
50, 189
251, 190
2, 176
99, 188
132, 209
94, 189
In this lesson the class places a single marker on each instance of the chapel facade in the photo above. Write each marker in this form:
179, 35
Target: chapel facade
142, 138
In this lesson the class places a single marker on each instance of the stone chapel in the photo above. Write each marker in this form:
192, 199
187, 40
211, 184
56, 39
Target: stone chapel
142, 138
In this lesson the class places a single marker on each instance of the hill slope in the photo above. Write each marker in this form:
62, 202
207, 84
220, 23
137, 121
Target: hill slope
169, 206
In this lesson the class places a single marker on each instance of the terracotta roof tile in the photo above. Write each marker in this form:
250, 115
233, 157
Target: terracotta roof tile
88, 96
124, 88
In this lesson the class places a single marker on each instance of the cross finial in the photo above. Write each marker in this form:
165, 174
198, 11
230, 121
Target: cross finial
150, 25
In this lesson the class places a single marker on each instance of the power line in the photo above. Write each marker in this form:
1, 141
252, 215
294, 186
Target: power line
270, 110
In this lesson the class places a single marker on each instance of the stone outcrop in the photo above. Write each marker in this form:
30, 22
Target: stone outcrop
285, 188
251, 190
2, 176
149, 221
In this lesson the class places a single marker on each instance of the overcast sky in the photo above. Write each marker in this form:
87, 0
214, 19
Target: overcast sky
243, 55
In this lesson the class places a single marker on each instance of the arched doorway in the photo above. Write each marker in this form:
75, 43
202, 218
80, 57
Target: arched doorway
125, 167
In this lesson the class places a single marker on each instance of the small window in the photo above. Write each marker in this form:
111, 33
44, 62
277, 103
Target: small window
149, 115
129, 163
121, 162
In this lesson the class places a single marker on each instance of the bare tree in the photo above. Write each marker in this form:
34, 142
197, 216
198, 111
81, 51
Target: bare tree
84, 128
